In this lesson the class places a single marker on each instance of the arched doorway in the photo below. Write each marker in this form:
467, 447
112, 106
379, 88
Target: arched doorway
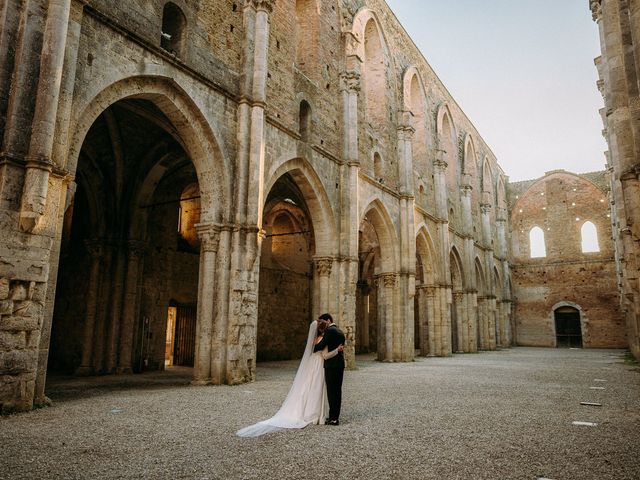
568, 327
129, 254
424, 328
457, 314
285, 300
377, 328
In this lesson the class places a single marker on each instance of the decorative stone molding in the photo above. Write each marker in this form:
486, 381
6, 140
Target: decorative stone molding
350, 81
440, 165
209, 235
389, 279
465, 190
261, 5
324, 266
457, 296
95, 247
485, 208
596, 9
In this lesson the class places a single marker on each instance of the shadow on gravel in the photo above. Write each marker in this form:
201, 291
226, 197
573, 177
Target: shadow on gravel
63, 388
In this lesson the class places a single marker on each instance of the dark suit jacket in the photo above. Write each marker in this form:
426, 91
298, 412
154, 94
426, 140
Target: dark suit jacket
333, 338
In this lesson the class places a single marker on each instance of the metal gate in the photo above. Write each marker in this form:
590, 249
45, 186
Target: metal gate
185, 337
568, 328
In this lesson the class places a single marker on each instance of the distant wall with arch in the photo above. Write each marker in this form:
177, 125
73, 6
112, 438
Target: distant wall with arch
557, 260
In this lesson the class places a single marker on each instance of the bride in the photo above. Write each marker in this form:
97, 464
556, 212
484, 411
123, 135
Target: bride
305, 403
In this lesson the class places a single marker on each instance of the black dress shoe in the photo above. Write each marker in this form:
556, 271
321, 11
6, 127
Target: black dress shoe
333, 422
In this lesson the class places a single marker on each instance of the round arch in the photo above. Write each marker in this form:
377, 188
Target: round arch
379, 217
554, 322
186, 121
315, 197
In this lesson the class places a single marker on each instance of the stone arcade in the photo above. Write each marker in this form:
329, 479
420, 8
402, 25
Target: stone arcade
181, 182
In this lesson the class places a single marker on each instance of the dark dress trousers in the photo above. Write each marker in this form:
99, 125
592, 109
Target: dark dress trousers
333, 369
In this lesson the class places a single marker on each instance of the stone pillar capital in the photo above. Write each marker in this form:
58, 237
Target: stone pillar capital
95, 247
457, 296
466, 190
389, 280
440, 165
323, 266
209, 234
350, 81
261, 5
136, 248
485, 208
596, 9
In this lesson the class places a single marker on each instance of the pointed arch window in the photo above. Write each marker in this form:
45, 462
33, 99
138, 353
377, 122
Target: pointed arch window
173, 29
537, 247
305, 120
589, 234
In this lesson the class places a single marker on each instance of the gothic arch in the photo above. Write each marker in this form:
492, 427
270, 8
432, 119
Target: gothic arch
447, 141
382, 222
487, 182
425, 248
187, 121
316, 199
458, 281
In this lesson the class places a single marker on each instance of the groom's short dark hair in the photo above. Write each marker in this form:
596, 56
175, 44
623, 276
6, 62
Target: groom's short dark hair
326, 316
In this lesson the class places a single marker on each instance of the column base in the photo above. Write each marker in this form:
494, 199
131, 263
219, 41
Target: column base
84, 372
201, 383
124, 371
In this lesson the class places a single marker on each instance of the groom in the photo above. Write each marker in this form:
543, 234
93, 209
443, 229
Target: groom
333, 367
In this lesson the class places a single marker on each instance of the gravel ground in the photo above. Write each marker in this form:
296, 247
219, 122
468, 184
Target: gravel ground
494, 415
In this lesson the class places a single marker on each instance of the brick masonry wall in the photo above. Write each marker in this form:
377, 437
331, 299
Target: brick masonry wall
560, 203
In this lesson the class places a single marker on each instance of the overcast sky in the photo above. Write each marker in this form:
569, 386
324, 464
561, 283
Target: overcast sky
523, 72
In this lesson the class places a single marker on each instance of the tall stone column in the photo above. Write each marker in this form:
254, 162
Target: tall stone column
407, 239
422, 300
209, 237
114, 326
482, 323
96, 251
323, 268
135, 255
39, 164
466, 190
430, 321
443, 328
387, 283
347, 274
460, 324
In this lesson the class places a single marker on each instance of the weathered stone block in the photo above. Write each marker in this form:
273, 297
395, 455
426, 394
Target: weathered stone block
12, 340
17, 362
4, 288
27, 308
6, 307
19, 324
18, 291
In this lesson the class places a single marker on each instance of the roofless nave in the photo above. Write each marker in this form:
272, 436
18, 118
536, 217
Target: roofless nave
183, 181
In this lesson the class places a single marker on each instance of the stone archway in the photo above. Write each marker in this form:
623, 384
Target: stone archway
568, 325
378, 326
457, 307
297, 256
424, 314
137, 147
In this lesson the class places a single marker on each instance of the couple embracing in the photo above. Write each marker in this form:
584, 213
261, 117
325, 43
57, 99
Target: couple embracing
322, 362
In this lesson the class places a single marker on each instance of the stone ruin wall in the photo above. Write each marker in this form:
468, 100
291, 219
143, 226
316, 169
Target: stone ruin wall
560, 203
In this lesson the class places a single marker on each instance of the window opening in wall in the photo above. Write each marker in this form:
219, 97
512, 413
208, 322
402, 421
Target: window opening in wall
589, 235
305, 120
377, 166
173, 29
537, 245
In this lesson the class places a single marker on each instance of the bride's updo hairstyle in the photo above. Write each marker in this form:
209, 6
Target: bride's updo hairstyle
322, 326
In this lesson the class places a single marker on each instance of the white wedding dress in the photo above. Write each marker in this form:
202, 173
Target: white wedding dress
307, 399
